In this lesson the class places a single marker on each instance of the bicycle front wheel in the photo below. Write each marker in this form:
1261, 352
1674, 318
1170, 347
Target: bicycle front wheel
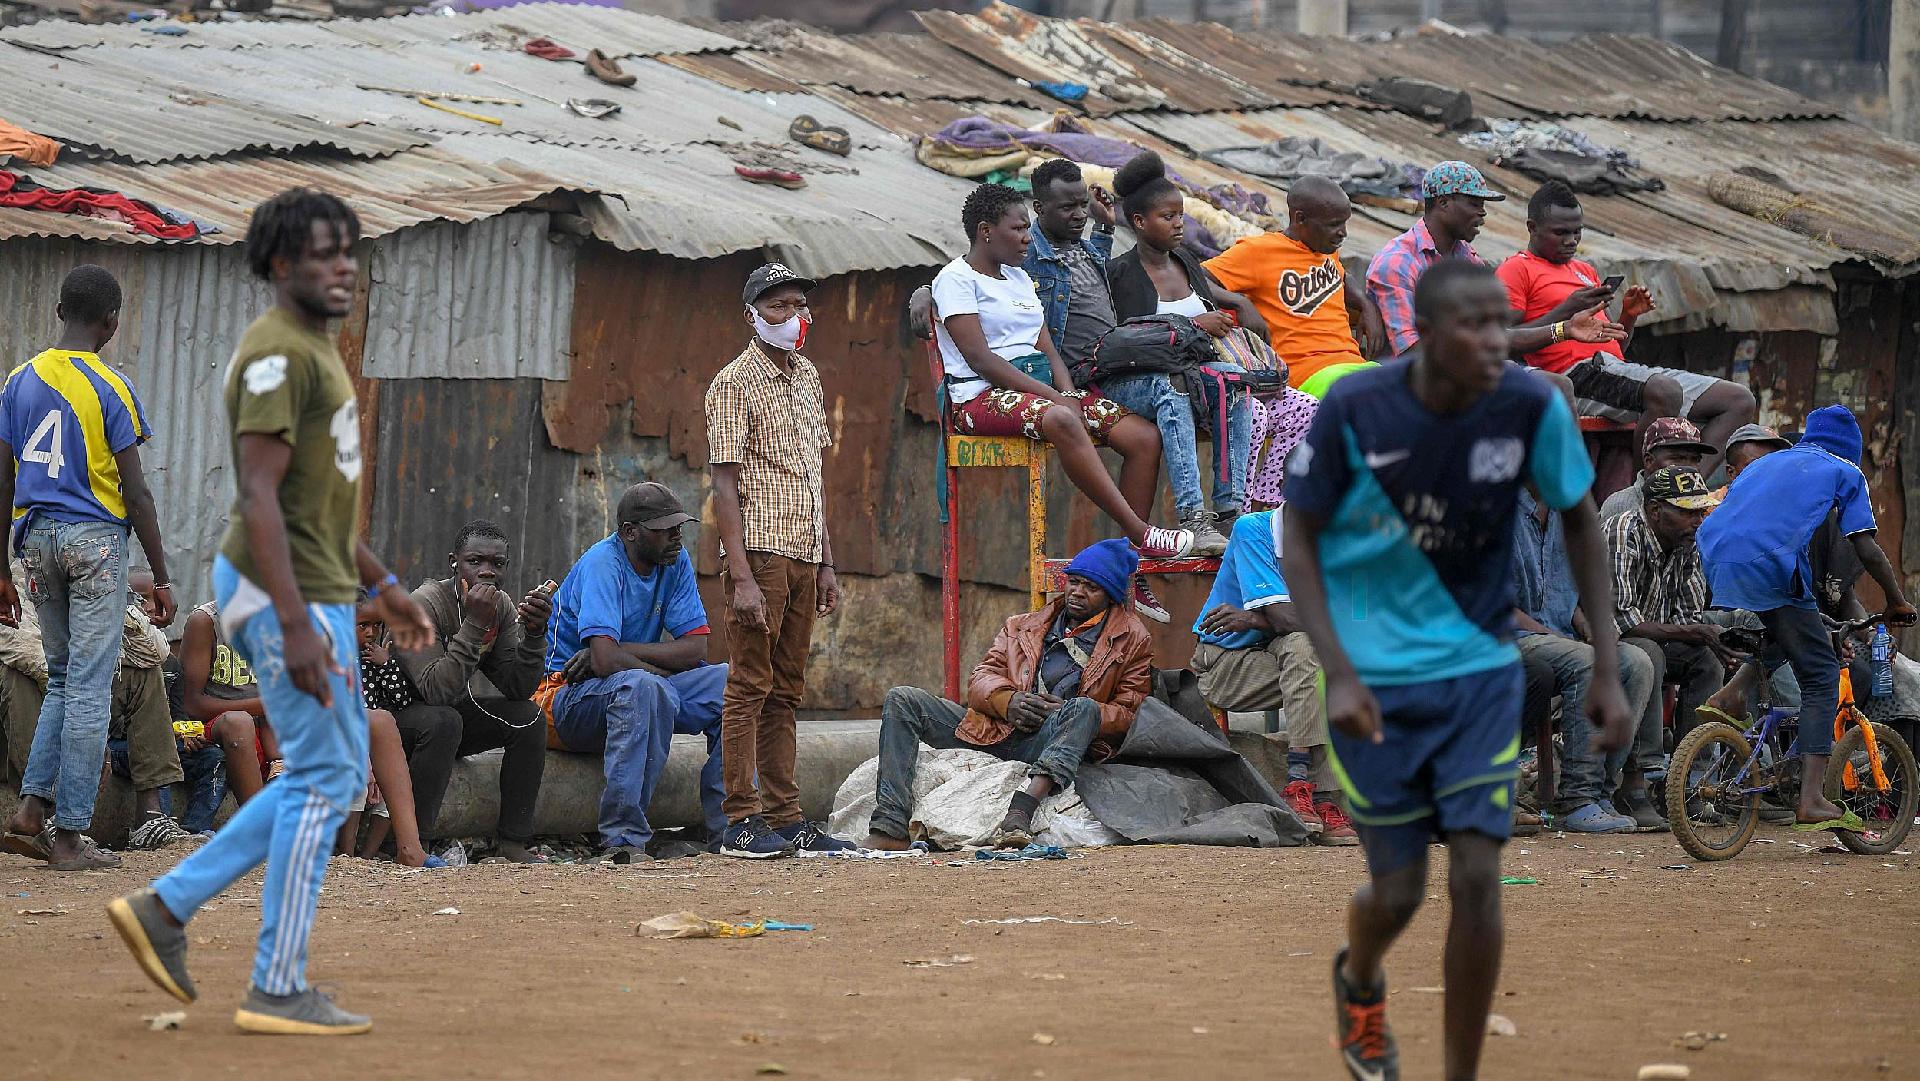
1888, 811
1711, 820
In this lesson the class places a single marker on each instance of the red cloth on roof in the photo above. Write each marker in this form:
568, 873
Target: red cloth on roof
18, 191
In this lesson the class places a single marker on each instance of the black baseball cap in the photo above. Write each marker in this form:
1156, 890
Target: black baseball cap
1684, 488
769, 276
653, 506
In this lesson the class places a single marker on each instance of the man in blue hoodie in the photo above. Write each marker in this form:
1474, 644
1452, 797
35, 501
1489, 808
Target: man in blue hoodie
1754, 548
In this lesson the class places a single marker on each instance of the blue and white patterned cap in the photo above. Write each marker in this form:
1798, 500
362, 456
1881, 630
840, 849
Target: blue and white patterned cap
1457, 178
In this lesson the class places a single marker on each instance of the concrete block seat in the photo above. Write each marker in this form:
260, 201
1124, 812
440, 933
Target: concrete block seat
570, 788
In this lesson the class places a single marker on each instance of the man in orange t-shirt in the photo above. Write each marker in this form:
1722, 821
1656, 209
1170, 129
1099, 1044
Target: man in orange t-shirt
1547, 285
1296, 281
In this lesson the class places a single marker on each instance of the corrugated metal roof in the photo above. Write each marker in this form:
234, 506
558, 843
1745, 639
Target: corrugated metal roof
1028, 47
1242, 59
1689, 87
912, 66
614, 31
892, 212
489, 300
141, 118
389, 193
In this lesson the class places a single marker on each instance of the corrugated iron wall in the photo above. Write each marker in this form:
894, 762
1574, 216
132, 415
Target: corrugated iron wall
489, 300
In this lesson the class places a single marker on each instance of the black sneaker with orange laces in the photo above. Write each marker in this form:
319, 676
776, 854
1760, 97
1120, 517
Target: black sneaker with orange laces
1360, 1028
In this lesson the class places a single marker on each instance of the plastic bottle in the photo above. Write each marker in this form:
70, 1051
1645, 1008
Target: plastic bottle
1882, 661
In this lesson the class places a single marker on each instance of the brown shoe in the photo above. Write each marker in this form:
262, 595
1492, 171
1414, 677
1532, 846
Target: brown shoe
607, 69
810, 132
1525, 824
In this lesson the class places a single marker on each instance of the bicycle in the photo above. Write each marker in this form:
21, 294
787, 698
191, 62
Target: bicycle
1723, 771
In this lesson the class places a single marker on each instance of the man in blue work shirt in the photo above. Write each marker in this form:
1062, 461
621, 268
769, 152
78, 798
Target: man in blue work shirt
1754, 550
1398, 546
70, 435
628, 666
1254, 657
1069, 269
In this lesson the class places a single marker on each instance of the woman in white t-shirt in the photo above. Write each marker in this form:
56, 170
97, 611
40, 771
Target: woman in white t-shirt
1005, 378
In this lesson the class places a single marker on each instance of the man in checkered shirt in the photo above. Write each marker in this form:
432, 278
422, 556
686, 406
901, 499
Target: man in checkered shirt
766, 428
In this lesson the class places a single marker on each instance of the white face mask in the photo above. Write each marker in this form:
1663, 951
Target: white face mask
788, 335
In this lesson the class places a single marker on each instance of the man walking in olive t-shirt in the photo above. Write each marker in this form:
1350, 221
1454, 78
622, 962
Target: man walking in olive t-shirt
285, 581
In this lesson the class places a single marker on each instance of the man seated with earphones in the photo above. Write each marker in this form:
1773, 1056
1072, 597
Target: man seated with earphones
475, 685
628, 667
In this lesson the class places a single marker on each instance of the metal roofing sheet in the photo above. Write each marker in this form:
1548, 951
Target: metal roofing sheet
134, 116
389, 194
1028, 47
891, 212
614, 31
912, 66
1688, 85
1242, 58
489, 300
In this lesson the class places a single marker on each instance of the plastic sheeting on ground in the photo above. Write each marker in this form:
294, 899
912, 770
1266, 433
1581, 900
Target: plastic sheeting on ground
1173, 782
959, 796
1178, 782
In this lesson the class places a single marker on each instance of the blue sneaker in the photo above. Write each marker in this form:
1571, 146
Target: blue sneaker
752, 839
807, 836
1593, 818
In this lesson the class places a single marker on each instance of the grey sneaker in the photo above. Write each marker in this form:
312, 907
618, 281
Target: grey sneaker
159, 946
1207, 540
303, 1013
156, 833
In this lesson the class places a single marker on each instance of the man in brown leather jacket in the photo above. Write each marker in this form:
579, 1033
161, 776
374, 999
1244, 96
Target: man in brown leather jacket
1059, 685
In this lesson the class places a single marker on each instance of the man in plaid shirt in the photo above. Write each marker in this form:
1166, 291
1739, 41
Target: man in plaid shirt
1660, 597
766, 428
1456, 205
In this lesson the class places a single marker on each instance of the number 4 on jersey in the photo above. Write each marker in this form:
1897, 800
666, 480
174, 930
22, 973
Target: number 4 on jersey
43, 446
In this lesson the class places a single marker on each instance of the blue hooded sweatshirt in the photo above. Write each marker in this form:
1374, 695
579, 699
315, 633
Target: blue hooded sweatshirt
1754, 545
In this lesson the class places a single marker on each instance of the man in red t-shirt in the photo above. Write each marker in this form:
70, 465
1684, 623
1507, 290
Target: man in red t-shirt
1547, 285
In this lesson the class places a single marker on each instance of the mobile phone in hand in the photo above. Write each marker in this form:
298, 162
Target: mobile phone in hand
1613, 282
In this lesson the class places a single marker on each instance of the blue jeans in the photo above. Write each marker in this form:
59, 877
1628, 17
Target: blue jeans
1797, 637
291, 823
1156, 398
77, 579
911, 717
631, 718
1584, 777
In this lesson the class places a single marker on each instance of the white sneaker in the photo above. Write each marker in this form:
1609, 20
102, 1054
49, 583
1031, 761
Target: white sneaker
1165, 543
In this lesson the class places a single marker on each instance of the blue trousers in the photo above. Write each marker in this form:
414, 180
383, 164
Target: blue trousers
77, 580
1797, 638
292, 822
630, 718
1171, 410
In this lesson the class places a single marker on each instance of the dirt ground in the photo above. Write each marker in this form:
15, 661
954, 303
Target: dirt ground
1216, 968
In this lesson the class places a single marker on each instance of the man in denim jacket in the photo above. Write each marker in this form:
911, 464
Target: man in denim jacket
1069, 270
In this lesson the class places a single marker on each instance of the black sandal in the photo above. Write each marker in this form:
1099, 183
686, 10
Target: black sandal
33, 846
91, 858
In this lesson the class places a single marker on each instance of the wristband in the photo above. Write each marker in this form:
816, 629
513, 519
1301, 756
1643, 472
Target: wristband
1560, 331
168, 586
387, 583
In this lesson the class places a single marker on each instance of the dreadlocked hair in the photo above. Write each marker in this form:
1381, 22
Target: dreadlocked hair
985, 205
484, 528
1140, 183
283, 225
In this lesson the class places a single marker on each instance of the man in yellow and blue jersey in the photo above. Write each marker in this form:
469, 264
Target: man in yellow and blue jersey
71, 429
